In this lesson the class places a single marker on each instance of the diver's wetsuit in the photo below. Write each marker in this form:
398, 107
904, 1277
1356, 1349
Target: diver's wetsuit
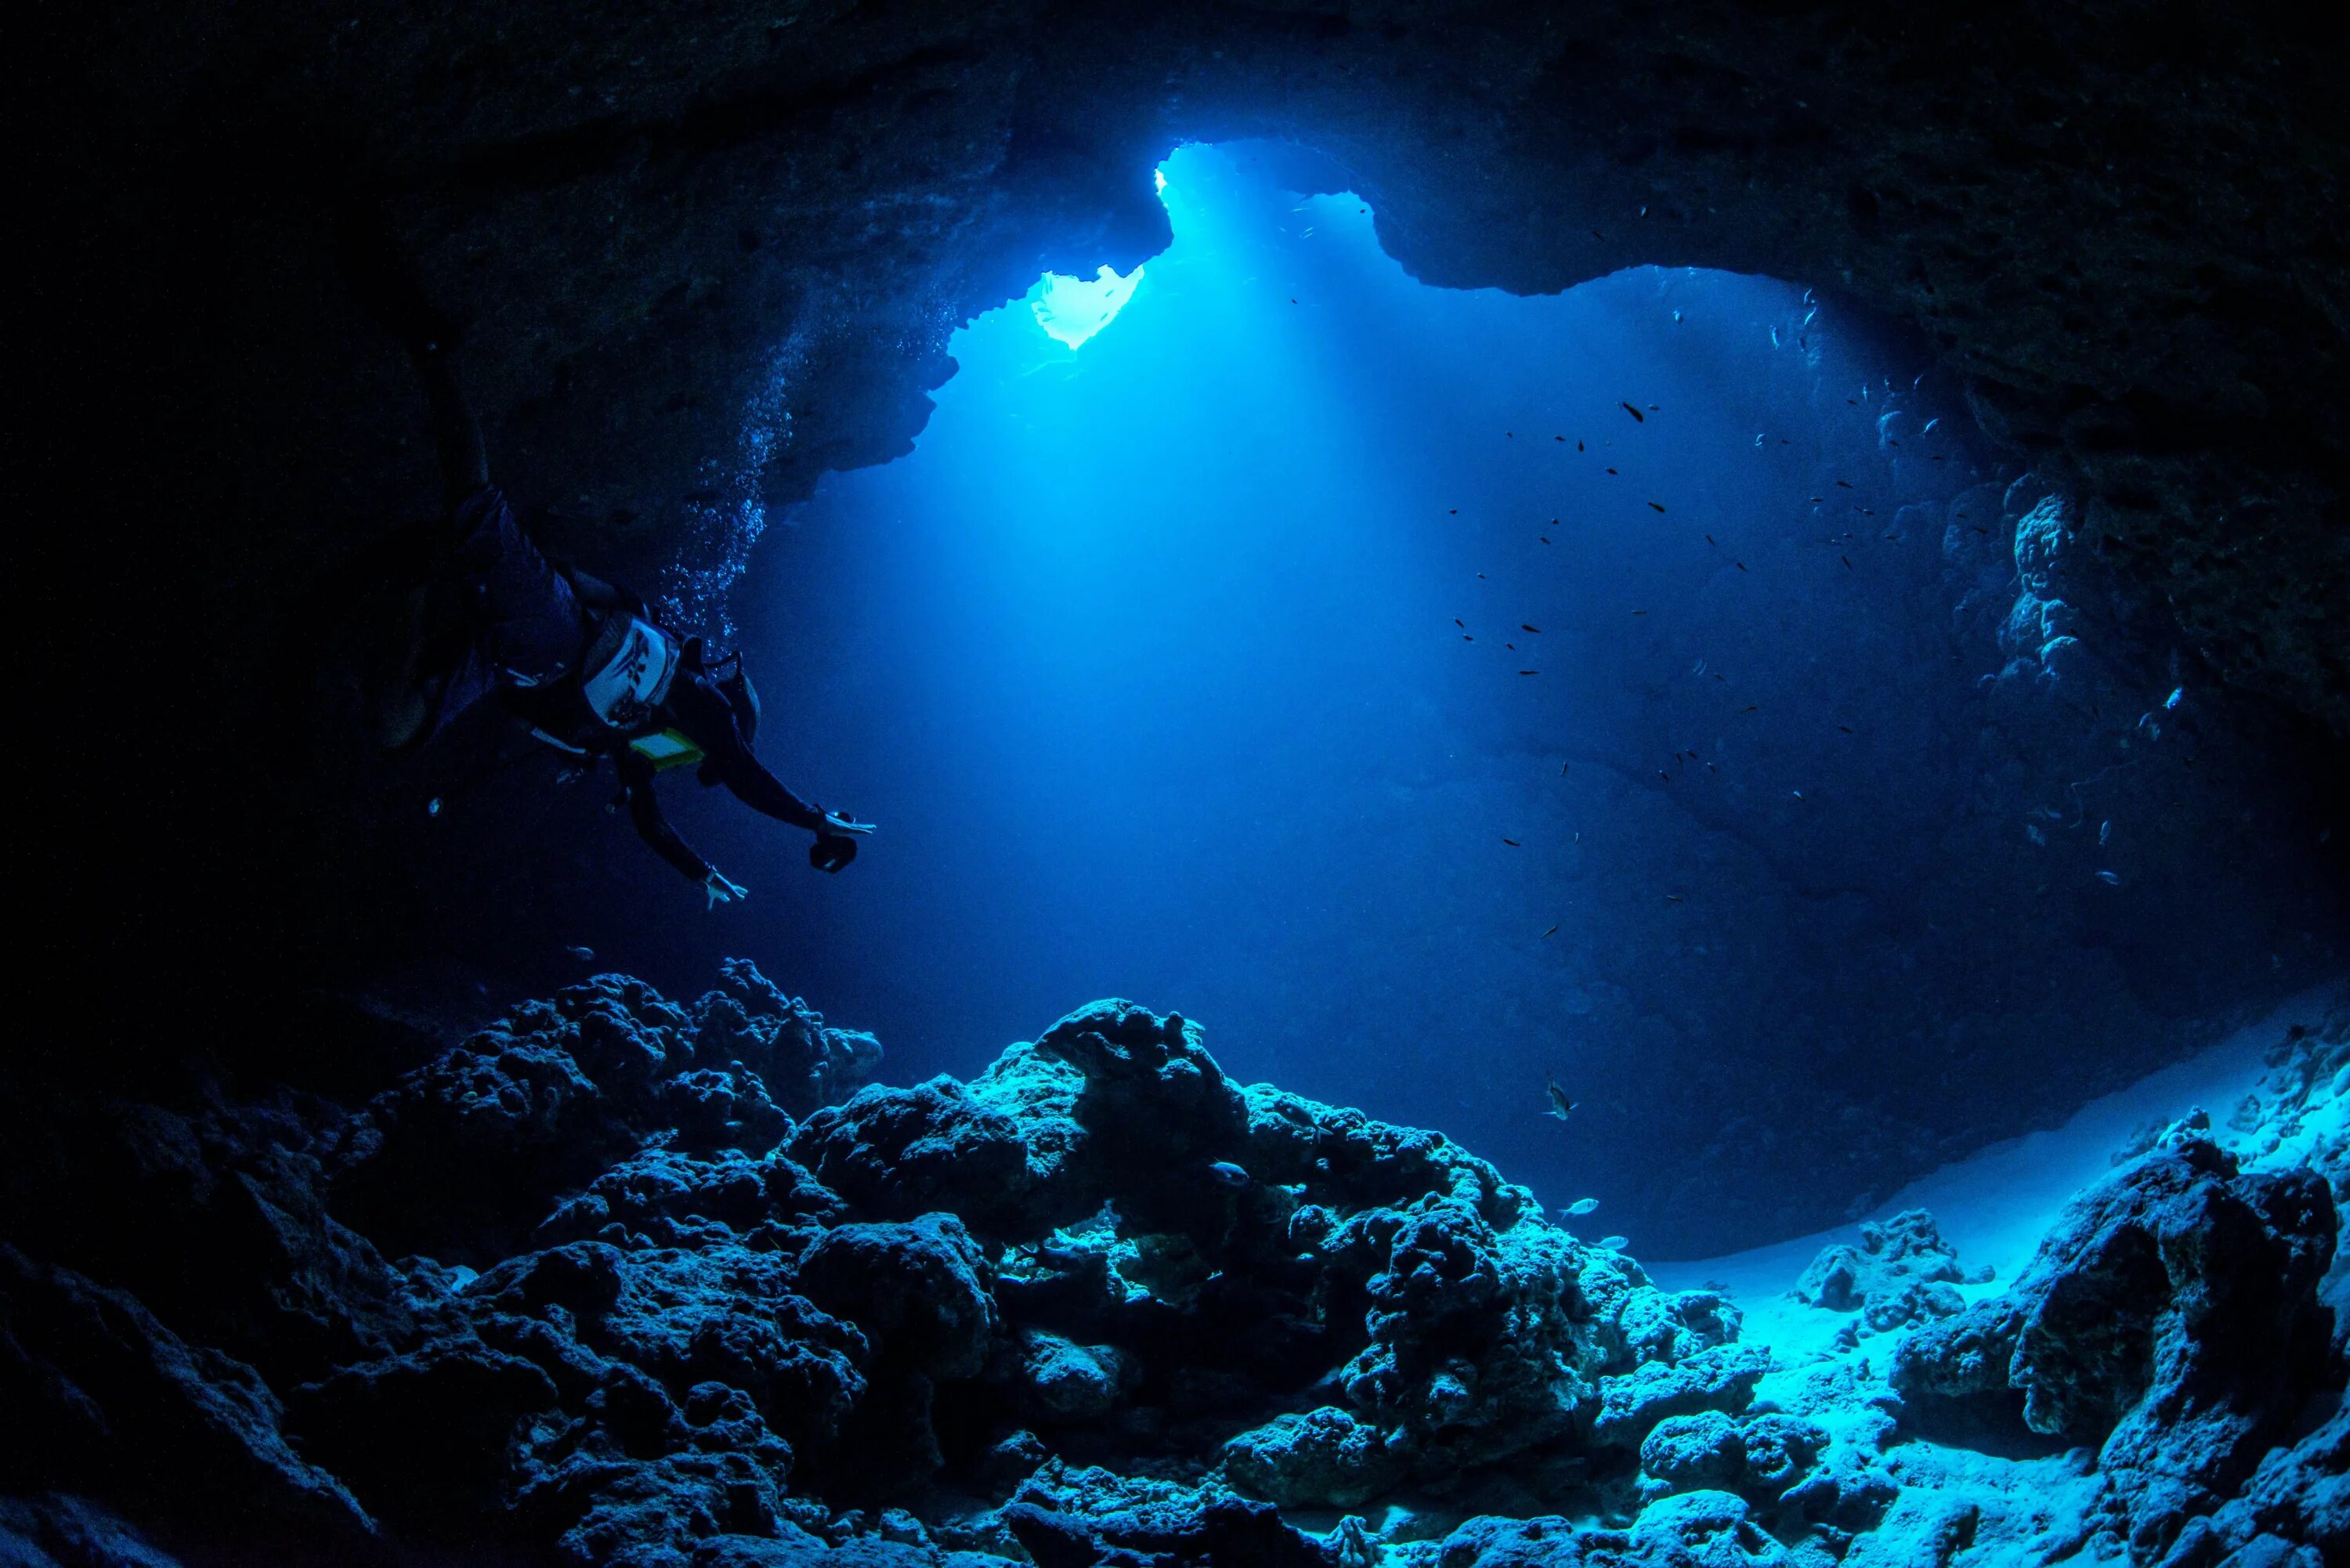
540, 626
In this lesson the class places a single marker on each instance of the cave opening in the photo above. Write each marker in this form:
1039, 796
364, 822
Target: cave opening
1435, 690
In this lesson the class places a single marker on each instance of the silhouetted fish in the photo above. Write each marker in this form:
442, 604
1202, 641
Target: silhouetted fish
1230, 1175
1611, 471
1848, 562
1512, 844
1560, 1105
1635, 413
1536, 629
1654, 507
1841, 484
1548, 933
1530, 672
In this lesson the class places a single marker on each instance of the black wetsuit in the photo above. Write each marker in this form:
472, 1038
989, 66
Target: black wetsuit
539, 624
697, 709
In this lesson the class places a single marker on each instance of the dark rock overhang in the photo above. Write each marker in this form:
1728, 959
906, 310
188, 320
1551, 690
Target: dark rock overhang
707, 253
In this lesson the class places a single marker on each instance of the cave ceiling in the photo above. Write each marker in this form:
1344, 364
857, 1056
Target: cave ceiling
705, 252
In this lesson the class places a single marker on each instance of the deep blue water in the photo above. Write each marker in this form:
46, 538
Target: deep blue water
1196, 664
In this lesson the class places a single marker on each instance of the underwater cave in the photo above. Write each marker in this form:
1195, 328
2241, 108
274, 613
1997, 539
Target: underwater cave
1700, 651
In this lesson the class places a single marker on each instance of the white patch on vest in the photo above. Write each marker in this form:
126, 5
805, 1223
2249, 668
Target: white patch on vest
623, 694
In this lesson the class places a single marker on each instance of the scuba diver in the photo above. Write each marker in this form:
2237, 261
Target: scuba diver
582, 663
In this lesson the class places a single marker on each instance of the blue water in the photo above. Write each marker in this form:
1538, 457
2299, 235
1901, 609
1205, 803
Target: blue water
1189, 664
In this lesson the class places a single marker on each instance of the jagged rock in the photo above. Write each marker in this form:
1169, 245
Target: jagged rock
801, 1061
1321, 1458
1495, 1542
2171, 1316
1086, 1517
674, 1197
1054, 1380
96, 1387
56, 1530
1902, 1272
895, 1153
1761, 1458
2294, 1512
1700, 1530
917, 1289
1721, 1377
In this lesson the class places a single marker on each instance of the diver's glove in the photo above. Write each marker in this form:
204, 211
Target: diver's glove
721, 891
835, 841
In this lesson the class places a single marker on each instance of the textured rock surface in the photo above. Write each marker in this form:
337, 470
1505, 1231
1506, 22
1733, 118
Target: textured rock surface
1155, 1312
1901, 1273
2172, 1318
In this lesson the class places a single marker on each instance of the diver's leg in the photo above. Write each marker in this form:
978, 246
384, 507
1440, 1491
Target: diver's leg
456, 433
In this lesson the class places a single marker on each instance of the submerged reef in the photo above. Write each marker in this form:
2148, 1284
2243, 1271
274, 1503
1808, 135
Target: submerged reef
621, 1281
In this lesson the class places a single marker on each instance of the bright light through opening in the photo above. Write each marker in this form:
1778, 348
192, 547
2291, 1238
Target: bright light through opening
1072, 309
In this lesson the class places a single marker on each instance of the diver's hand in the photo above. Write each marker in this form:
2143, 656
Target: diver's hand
836, 822
721, 891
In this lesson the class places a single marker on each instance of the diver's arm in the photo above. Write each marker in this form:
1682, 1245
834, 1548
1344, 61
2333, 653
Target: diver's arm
456, 434
637, 778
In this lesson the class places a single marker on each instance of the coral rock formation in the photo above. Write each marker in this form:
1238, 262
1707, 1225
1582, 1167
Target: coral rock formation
1100, 1305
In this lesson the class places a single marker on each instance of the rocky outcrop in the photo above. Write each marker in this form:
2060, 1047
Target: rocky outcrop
1902, 1272
2171, 1319
1159, 1317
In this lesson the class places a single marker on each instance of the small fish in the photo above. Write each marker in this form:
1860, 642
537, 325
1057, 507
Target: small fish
1481, 576
1466, 638
1511, 435
2109, 879
1578, 446
1513, 844
1848, 562
1458, 622
1639, 612
432, 806
1739, 564
1816, 500
1751, 707
1510, 645
1582, 1206
2172, 700
1845, 728
1615, 1243
1230, 1175
1530, 672
1796, 792
585, 955
1635, 413
1664, 776
1675, 899
1552, 931
1558, 438
1454, 513
1930, 426
1709, 539
2105, 831
1562, 769
1545, 539
1654, 507
1536, 629
1841, 484
1560, 1105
